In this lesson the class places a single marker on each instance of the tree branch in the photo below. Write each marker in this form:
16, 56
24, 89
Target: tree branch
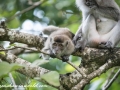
25, 10
15, 36
28, 69
95, 61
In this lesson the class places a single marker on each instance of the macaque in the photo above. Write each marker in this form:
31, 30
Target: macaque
100, 24
59, 43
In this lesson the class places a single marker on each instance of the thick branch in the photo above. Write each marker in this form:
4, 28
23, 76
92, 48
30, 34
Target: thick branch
95, 63
28, 69
15, 36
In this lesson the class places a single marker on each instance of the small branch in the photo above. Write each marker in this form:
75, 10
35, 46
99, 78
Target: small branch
13, 81
109, 78
112, 80
25, 10
8, 49
79, 70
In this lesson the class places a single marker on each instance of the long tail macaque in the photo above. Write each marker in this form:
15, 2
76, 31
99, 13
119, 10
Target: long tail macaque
100, 25
59, 43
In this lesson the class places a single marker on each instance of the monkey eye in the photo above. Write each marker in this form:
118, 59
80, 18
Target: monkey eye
60, 45
54, 44
79, 38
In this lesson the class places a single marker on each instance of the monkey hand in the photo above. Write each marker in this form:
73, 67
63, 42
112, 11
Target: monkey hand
91, 4
52, 55
65, 58
107, 45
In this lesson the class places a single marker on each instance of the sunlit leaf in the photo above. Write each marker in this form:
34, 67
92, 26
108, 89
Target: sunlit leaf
52, 78
2, 52
5, 68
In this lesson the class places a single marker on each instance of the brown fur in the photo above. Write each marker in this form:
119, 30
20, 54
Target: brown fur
61, 36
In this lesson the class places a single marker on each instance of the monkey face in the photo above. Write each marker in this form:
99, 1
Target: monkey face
57, 48
79, 42
59, 45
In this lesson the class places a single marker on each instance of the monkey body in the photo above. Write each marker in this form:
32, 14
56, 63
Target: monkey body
100, 24
59, 42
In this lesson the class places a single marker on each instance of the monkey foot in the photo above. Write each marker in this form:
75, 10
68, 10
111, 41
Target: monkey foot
107, 45
65, 58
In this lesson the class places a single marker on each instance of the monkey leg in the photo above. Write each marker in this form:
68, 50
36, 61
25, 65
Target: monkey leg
89, 29
113, 37
87, 35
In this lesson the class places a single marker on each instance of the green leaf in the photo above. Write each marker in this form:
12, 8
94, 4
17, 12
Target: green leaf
2, 52
11, 45
52, 78
14, 23
5, 68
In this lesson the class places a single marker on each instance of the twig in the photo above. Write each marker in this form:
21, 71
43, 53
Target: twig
78, 69
109, 78
25, 10
8, 49
13, 81
33, 49
112, 80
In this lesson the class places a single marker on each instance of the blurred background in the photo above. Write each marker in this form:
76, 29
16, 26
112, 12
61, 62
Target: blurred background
32, 16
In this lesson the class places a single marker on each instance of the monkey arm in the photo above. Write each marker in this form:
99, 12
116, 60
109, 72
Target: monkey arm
108, 11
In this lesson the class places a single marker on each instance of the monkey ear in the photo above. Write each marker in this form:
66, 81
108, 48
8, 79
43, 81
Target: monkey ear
67, 42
